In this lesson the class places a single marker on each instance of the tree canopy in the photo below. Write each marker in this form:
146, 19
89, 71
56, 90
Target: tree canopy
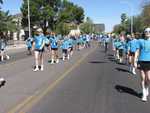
6, 21
139, 21
49, 14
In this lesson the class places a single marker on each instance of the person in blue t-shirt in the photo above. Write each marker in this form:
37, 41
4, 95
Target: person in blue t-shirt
106, 41
54, 48
29, 43
132, 47
115, 45
121, 47
143, 56
71, 46
65, 48
87, 45
79, 42
38, 45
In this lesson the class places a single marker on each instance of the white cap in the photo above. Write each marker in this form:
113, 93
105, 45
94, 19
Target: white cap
39, 30
147, 29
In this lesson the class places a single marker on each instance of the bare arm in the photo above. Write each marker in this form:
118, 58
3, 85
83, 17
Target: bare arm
136, 57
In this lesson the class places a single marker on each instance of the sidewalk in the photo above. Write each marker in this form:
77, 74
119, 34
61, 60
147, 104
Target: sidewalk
15, 48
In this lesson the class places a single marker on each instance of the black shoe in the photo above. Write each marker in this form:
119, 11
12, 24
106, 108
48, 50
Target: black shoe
2, 82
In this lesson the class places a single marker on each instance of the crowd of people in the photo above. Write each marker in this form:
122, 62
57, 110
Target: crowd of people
131, 49
54, 42
134, 51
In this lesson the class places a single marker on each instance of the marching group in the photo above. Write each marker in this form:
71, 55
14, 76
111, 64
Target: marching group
53, 42
134, 50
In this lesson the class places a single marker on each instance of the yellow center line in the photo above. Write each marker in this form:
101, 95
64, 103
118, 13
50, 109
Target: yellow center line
29, 102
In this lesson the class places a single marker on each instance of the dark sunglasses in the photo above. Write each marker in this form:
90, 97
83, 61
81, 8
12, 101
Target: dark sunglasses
146, 31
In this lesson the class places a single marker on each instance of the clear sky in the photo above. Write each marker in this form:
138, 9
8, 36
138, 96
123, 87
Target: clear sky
100, 11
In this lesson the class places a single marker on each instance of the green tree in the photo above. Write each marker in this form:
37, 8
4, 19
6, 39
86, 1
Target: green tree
69, 17
87, 26
6, 22
51, 13
123, 17
42, 13
118, 28
146, 14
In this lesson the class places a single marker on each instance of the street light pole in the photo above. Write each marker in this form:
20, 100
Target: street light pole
131, 24
29, 25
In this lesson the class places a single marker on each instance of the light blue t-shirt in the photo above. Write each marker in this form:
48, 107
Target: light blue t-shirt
119, 44
133, 45
70, 41
39, 40
29, 42
65, 44
107, 39
144, 47
53, 42
87, 38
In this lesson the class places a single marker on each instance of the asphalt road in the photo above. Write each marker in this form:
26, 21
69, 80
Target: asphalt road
22, 84
97, 85
91, 82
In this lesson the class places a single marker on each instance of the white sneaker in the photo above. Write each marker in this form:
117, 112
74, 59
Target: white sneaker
63, 58
42, 68
36, 69
7, 57
57, 61
52, 61
144, 98
68, 57
133, 71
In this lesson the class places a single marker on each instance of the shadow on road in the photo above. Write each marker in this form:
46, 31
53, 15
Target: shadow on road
123, 89
110, 55
123, 70
112, 59
97, 62
124, 64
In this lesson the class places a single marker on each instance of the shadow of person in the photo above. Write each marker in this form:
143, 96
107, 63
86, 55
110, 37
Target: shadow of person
124, 89
123, 70
97, 62
110, 55
112, 59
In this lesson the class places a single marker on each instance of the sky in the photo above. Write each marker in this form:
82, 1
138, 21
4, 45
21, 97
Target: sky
100, 11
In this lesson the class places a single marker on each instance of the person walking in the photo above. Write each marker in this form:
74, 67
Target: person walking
38, 45
131, 53
142, 55
3, 47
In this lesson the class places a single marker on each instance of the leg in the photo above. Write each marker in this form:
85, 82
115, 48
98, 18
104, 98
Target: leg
147, 83
52, 56
36, 55
57, 58
42, 60
132, 64
2, 55
143, 79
